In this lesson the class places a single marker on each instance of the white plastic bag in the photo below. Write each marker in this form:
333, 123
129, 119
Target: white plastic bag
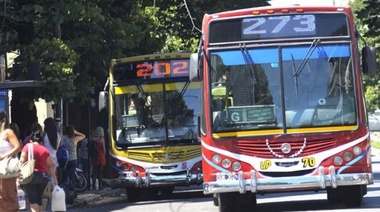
58, 199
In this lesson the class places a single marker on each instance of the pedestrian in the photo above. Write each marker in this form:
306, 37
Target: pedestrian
52, 140
16, 131
84, 158
9, 147
43, 169
99, 161
71, 138
35, 126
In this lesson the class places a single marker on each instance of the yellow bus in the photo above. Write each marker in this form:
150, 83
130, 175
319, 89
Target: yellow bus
153, 114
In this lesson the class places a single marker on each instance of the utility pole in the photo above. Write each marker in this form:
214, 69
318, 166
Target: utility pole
58, 109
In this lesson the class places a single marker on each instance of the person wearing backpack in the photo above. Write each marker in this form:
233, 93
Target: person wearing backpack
70, 141
96, 152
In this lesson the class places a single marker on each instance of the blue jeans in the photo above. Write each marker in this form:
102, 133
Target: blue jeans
86, 168
69, 172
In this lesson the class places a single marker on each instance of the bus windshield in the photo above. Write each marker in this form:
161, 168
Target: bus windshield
282, 87
159, 113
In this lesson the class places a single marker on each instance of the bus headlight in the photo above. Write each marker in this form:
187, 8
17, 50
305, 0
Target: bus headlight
347, 156
357, 150
226, 163
236, 166
133, 168
125, 166
338, 160
118, 164
216, 159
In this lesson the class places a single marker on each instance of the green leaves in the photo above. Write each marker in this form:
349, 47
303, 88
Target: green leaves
75, 40
368, 17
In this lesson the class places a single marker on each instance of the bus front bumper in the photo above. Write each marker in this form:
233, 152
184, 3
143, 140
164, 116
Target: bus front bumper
278, 184
134, 179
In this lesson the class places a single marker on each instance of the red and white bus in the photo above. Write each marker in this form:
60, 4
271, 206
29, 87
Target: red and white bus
282, 104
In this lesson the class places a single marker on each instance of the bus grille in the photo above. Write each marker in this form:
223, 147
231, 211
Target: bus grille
165, 155
300, 147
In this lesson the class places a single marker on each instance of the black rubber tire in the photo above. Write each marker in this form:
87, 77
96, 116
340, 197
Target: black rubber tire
227, 202
353, 196
133, 194
167, 190
334, 195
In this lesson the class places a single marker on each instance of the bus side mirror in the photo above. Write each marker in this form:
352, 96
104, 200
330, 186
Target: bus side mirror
369, 65
196, 64
103, 97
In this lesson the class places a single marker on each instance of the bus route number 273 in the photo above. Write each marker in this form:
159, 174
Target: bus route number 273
308, 162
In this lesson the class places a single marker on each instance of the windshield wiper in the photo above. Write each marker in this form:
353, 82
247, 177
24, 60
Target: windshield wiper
294, 74
184, 89
248, 61
308, 54
297, 72
138, 85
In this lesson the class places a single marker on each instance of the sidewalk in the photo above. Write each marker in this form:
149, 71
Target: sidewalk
87, 198
375, 151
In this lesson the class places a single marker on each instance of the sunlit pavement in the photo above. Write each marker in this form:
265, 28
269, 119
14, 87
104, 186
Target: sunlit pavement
89, 197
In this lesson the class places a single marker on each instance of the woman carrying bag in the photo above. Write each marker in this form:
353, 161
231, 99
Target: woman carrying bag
9, 147
44, 168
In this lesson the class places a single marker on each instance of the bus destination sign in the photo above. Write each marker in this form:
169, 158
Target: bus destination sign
151, 69
266, 27
251, 114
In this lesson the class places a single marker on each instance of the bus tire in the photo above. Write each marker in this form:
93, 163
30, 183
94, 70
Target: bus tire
133, 194
334, 195
352, 196
167, 190
247, 202
227, 202
231, 202
215, 200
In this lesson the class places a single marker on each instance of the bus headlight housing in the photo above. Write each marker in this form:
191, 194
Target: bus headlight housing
125, 166
216, 159
357, 150
236, 166
347, 156
226, 163
338, 160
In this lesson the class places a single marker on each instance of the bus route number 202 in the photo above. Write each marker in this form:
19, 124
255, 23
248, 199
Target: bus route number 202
163, 68
308, 162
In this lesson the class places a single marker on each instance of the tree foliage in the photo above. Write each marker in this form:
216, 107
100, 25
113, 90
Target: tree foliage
73, 41
368, 24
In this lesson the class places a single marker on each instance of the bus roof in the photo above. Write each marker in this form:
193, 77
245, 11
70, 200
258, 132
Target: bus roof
279, 9
157, 56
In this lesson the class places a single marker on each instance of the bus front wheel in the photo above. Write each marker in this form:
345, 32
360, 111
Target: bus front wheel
334, 195
231, 202
353, 196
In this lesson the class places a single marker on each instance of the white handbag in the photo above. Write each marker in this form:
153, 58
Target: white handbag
58, 199
9, 166
27, 168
